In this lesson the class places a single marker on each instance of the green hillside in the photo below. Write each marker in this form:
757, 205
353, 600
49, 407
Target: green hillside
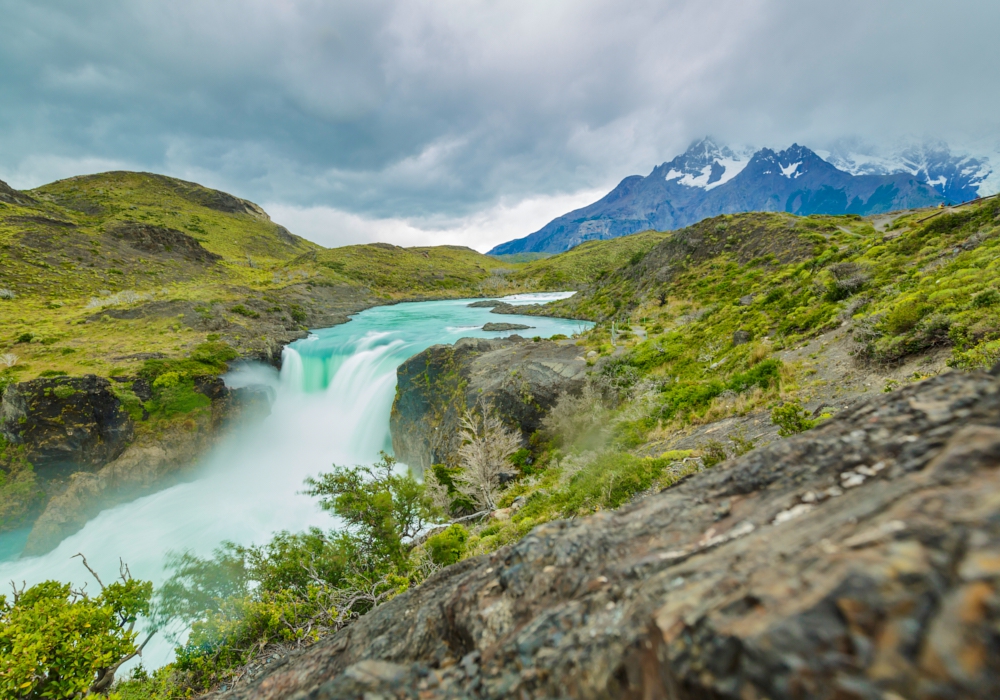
98, 273
587, 263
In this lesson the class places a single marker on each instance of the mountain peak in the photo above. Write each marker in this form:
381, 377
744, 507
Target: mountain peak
705, 165
709, 179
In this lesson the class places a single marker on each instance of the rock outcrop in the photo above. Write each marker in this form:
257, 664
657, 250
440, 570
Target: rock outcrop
67, 423
857, 560
506, 327
521, 379
147, 465
164, 241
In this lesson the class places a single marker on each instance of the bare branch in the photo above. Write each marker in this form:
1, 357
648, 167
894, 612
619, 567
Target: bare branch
92, 572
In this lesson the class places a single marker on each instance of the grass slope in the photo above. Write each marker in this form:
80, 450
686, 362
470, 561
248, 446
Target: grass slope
98, 273
712, 329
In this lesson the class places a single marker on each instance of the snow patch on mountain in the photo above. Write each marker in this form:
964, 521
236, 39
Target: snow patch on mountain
789, 170
957, 174
707, 165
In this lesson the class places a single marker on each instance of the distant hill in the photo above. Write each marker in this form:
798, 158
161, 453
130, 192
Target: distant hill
708, 180
99, 273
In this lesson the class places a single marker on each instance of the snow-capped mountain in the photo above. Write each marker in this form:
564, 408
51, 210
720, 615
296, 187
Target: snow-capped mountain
708, 180
707, 165
959, 177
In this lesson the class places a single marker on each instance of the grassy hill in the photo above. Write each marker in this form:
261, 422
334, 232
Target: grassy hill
693, 318
99, 273
588, 263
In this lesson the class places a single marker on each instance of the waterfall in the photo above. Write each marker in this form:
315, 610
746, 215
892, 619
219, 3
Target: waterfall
334, 395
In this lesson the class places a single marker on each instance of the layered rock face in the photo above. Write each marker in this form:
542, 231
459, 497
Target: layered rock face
84, 447
66, 423
858, 560
145, 466
520, 379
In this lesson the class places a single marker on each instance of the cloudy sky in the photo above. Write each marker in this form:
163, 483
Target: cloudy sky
468, 121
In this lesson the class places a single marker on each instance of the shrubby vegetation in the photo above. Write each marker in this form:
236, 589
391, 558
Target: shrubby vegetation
19, 491
58, 642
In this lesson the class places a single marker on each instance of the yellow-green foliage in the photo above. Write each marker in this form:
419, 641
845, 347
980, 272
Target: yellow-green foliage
791, 418
588, 262
775, 280
55, 643
408, 272
19, 491
79, 299
448, 546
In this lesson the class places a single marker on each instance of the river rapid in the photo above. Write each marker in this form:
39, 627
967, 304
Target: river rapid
334, 395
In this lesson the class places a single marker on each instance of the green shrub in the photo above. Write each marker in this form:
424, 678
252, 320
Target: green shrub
764, 375
685, 398
63, 391
244, 311
990, 297
297, 314
741, 443
905, 316
130, 402
214, 354
206, 359
448, 546
982, 356
713, 452
791, 418
459, 504
59, 643
167, 380
175, 394
52, 373
609, 481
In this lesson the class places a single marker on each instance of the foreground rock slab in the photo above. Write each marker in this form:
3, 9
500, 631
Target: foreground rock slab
858, 560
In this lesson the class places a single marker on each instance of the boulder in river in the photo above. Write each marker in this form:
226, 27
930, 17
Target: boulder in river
485, 304
506, 327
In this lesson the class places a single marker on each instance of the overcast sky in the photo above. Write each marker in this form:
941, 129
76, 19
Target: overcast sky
469, 122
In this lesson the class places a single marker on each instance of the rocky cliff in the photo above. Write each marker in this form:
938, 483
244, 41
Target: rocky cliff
520, 379
90, 453
66, 423
857, 560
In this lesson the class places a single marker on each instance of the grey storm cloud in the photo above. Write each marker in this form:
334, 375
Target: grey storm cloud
414, 108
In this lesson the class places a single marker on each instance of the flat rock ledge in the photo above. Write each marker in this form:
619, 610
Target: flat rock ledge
860, 560
506, 327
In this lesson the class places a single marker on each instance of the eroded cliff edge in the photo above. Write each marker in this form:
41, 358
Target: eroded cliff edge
520, 379
91, 448
857, 560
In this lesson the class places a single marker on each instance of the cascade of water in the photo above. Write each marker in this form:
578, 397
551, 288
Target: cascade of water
334, 395
292, 370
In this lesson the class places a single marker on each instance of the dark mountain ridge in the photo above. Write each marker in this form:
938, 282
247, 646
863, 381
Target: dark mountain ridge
708, 180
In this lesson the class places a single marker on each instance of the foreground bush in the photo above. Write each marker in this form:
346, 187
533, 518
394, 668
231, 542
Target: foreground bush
57, 642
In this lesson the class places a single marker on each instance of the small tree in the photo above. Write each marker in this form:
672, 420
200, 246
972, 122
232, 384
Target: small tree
485, 454
791, 418
56, 642
385, 510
